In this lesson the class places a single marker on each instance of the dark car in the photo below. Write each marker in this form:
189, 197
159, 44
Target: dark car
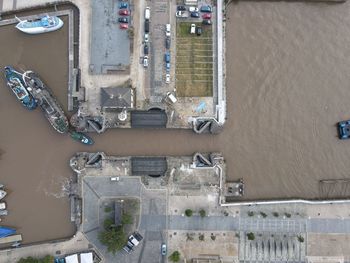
146, 26
344, 130
198, 30
145, 49
123, 20
195, 14
206, 22
181, 8
206, 9
167, 42
128, 248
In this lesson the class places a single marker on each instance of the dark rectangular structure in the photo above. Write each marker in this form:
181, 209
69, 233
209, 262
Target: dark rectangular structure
152, 166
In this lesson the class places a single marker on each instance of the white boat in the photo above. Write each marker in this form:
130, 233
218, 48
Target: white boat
38, 26
2, 206
2, 194
3, 213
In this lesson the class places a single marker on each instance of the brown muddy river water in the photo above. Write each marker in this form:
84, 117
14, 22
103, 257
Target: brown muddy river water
288, 71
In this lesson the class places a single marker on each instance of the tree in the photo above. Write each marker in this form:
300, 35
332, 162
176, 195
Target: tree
189, 237
114, 239
300, 239
251, 236
275, 214
188, 212
126, 219
288, 215
202, 213
175, 256
108, 223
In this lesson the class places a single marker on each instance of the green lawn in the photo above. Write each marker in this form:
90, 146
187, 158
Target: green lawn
194, 62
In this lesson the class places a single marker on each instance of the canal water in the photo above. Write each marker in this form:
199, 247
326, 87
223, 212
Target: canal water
287, 86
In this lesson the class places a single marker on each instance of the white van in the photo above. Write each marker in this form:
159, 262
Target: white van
147, 13
167, 30
171, 97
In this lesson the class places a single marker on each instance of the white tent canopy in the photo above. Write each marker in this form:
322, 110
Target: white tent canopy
86, 257
72, 259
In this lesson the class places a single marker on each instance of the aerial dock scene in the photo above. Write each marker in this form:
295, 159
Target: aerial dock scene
263, 86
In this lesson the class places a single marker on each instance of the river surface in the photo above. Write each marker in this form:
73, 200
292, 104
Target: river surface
288, 71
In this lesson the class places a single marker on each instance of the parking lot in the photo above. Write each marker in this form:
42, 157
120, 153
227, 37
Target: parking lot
110, 45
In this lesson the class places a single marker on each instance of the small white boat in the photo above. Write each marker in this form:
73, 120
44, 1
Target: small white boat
4, 212
2, 194
38, 26
2, 206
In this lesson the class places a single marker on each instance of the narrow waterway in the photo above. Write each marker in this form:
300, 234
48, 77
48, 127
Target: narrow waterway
287, 86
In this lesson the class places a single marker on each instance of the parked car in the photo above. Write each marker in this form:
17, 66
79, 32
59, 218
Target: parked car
147, 13
171, 97
145, 61
206, 22
163, 249
127, 248
123, 12
124, 26
123, 5
167, 67
344, 130
147, 26
199, 31
193, 9
123, 20
167, 57
206, 9
145, 49
167, 78
193, 29
195, 14
180, 13
181, 8
167, 42
146, 37
167, 30
206, 16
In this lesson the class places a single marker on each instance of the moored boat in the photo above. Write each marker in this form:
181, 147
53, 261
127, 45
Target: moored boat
38, 26
6, 231
16, 84
47, 102
3, 212
81, 137
2, 194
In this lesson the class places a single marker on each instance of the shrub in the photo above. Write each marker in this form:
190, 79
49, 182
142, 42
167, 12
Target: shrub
300, 239
201, 237
264, 215
288, 215
250, 213
175, 256
202, 213
275, 214
250, 236
188, 212
126, 219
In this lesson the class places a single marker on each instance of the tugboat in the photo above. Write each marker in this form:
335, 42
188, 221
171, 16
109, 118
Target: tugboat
38, 26
47, 102
16, 84
81, 137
